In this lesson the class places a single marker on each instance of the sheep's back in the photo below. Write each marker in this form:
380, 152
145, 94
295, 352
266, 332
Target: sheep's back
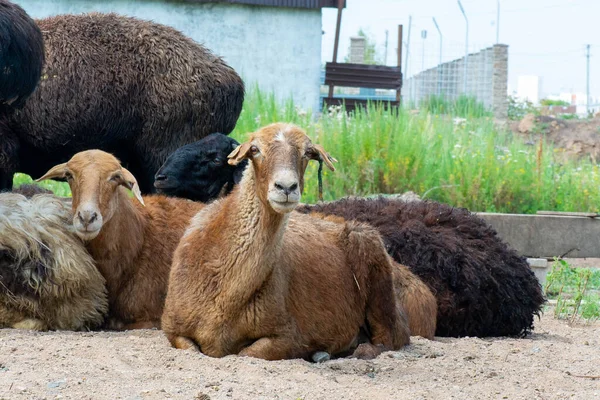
323, 287
483, 287
109, 77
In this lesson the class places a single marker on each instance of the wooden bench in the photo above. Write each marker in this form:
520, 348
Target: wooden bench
361, 76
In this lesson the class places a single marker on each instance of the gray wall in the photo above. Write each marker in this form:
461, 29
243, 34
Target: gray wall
487, 80
277, 48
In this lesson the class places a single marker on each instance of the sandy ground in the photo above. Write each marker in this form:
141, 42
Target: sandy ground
556, 362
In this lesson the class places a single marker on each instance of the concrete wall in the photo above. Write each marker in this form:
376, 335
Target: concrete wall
548, 235
277, 48
487, 80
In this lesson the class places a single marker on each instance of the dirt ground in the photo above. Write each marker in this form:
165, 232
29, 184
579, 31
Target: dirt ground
577, 138
556, 362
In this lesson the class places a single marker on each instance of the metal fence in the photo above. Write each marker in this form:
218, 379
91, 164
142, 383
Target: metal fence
447, 73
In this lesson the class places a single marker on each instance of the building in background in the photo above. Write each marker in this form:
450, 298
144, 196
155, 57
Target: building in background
275, 44
529, 87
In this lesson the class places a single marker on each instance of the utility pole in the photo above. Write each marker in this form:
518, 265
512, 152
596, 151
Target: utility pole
386, 48
440, 62
466, 48
587, 90
423, 36
412, 84
407, 45
498, 23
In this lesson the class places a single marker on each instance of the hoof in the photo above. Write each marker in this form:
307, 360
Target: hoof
321, 356
367, 351
31, 324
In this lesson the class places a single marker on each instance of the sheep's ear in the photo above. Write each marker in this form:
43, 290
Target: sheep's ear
58, 171
239, 153
130, 183
321, 154
239, 171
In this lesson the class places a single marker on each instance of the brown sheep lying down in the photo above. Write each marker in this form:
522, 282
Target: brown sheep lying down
251, 278
131, 240
483, 287
47, 278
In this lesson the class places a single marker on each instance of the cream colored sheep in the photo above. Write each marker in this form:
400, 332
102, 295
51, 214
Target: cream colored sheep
47, 278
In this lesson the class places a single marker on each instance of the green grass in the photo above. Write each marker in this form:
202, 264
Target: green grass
466, 162
463, 106
59, 188
576, 291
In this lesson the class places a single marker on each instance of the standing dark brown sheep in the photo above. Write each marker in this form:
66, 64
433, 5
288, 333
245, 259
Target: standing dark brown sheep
130, 87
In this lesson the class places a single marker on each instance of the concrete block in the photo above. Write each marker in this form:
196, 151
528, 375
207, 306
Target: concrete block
540, 267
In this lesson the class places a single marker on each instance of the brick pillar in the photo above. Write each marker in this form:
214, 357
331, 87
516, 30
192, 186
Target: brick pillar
357, 49
500, 81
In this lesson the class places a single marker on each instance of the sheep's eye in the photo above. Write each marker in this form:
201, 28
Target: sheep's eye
217, 161
254, 150
310, 153
116, 178
68, 175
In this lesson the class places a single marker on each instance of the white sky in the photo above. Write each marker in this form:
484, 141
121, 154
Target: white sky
545, 37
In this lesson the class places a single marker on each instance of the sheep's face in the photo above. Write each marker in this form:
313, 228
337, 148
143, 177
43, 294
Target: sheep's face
279, 154
94, 177
199, 171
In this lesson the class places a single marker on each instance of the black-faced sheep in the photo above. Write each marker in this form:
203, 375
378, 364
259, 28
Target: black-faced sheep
134, 88
132, 243
203, 162
483, 287
47, 278
250, 279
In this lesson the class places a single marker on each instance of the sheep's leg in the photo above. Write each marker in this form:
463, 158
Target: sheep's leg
9, 147
31, 324
387, 324
182, 343
273, 348
368, 351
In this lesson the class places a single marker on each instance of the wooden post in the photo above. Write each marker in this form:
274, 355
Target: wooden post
337, 38
399, 91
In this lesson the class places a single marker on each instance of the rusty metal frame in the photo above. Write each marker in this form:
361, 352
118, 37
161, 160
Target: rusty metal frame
361, 75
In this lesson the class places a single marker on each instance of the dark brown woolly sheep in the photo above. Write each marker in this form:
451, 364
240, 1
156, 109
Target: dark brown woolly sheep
134, 88
483, 287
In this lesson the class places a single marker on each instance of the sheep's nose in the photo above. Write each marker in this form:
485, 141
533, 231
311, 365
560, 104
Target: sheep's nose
286, 187
160, 177
87, 217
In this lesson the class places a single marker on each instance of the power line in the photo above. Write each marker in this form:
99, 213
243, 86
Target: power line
587, 95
